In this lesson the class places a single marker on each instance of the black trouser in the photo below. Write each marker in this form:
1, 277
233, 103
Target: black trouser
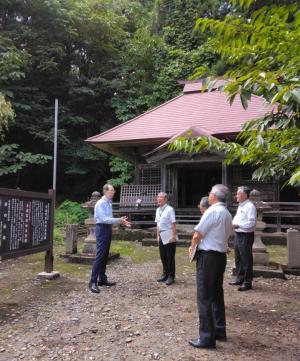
103, 240
210, 296
243, 243
167, 256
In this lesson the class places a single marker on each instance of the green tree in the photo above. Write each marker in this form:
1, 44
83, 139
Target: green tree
12, 160
260, 45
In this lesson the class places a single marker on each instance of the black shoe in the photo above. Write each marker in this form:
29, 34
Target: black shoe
170, 280
235, 283
106, 283
222, 338
163, 278
199, 344
93, 287
245, 287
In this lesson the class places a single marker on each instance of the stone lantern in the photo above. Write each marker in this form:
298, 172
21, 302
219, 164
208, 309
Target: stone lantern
260, 253
89, 245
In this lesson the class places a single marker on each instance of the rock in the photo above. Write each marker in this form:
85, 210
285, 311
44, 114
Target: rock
129, 339
156, 356
94, 330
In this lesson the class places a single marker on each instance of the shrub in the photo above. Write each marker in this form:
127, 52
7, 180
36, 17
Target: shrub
70, 213
58, 235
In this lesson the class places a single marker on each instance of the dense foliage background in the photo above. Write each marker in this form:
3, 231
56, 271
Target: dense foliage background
110, 60
106, 61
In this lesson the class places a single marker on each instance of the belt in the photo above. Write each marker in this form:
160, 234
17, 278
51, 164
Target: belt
210, 251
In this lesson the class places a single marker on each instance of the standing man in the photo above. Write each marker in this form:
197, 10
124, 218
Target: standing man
214, 229
203, 207
104, 221
166, 225
244, 225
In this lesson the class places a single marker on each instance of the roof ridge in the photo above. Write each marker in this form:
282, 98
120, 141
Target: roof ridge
135, 118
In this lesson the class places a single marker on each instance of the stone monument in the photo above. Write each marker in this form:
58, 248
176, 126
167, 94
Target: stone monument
260, 252
293, 246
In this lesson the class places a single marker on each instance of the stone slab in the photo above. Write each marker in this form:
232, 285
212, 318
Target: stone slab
48, 275
291, 271
86, 259
273, 271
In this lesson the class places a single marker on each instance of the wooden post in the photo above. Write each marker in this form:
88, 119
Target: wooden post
224, 174
136, 172
163, 177
175, 188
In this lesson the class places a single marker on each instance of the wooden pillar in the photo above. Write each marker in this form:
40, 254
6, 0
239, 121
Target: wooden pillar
276, 190
224, 174
163, 177
136, 172
175, 188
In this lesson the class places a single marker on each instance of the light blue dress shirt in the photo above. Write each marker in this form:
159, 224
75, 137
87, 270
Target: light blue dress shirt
103, 212
215, 227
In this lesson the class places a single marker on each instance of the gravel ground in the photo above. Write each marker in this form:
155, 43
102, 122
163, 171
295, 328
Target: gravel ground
140, 319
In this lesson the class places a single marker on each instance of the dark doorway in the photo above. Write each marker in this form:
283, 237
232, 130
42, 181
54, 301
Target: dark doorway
195, 183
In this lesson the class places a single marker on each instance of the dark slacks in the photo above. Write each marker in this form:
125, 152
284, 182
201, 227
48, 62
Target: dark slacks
243, 243
103, 241
167, 256
210, 296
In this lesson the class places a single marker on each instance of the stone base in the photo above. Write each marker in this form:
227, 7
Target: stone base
273, 271
86, 258
260, 258
89, 248
48, 275
268, 272
291, 271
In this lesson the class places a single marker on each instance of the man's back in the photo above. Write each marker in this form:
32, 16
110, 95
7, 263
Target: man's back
215, 227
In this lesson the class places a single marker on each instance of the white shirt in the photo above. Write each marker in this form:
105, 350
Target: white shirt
245, 217
165, 217
215, 227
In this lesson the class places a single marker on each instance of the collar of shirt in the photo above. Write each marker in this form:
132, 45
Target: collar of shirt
161, 209
242, 204
106, 199
218, 204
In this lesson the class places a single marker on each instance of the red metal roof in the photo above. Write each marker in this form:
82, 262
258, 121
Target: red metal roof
208, 110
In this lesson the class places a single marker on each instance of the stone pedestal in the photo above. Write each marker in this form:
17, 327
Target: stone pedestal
260, 252
89, 245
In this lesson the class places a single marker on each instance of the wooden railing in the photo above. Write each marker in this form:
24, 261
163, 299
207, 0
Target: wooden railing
285, 215
281, 215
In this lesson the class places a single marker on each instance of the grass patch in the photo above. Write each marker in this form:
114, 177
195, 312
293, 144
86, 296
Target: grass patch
278, 254
136, 252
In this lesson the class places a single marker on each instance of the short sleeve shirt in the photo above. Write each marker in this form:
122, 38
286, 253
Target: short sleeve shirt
165, 217
215, 227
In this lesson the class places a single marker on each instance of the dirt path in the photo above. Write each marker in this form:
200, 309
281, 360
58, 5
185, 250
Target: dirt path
140, 319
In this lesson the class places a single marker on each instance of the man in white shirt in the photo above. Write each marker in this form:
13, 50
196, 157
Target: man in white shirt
214, 229
244, 223
166, 225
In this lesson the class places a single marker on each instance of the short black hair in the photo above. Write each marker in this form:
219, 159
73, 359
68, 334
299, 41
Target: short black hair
246, 190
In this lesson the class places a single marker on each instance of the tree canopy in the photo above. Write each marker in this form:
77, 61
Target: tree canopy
106, 61
259, 43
